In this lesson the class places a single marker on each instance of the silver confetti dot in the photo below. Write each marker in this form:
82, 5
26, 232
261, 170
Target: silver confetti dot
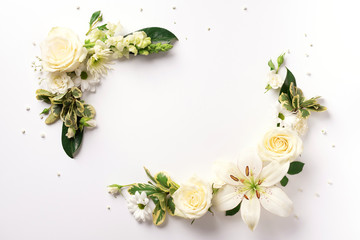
323, 132
78, 8
245, 8
58, 174
34, 44
27, 108
108, 207
309, 74
23, 132
209, 29
311, 45
141, 9
300, 189
317, 195
330, 183
296, 217
174, 8
306, 55
42, 135
333, 146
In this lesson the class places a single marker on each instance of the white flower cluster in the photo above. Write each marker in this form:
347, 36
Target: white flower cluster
70, 63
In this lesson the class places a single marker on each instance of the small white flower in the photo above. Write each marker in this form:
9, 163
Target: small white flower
291, 120
253, 185
113, 191
91, 123
96, 34
99, 63
70, 133
138, 205
114, 29
275, 80
59, 83
87, 84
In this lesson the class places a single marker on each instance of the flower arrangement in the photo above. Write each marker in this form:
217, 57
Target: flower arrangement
245, 185
70, 67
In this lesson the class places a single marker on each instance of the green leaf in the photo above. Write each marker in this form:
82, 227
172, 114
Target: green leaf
162, 199
103, 27
271, 65
71, 145
233, 211
79, 106
281, 116
94, 17
162, 179
45, 111
304, 113
284, 181
71, 119
44, 95
267, 88
142, 187
149, 175
287, 106
158, 34
295, 167
170, 206
285, 88
56, 109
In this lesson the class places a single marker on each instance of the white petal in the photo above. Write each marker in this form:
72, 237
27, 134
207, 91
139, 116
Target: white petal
250, 212
276, 201
273, 173
224, 170
249, 159
227, 198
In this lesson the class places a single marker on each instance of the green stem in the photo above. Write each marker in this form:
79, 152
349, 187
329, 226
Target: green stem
89, 45
91, 27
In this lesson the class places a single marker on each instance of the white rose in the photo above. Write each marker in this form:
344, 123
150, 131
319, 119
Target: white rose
62, 51
281, 145
275, 80
59, 83
193, 199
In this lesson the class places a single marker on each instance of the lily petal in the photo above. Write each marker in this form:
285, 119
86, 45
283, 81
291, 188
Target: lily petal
249, 163
276, 201
250, 212
227, 198
227, 172
273, 173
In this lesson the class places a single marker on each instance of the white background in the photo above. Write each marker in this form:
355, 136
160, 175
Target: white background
179, 112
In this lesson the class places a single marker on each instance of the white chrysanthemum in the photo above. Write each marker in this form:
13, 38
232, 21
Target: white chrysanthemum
59, 82
291, 120
275, 80
96, 34
99, 63
138, 205
141, 40
84, 80
114, 29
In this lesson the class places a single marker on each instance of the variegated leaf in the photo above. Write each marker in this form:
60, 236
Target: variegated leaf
89, 111
287, 106
317, 108
159, 215
64, 112
309, 103
170, 206
292, 89
162, 199
304, 113
71, 119
76, 92
79, 106
284, 98
296, 102
56, 109
51, 118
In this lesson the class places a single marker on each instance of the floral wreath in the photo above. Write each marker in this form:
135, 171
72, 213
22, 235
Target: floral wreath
253, 181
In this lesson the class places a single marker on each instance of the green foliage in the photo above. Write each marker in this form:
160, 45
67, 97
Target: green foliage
155, 48
292, 98
96, 16
71, 145
103, 27
284, 181
233, 211
271, 65
170, 206
295, 167
158, 34
280, 60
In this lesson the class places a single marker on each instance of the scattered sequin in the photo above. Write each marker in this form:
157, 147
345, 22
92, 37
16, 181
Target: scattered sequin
296, 217
58, 174
42, 135
141, 9
311, 45
23, 131
323, 132
27, 108
300, 189
309, 74
245, 9
330, 183
78, 8
174, 8
307, 55
108, 207
333, 145
317, 195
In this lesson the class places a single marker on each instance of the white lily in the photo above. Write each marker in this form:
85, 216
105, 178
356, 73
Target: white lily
252, 185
